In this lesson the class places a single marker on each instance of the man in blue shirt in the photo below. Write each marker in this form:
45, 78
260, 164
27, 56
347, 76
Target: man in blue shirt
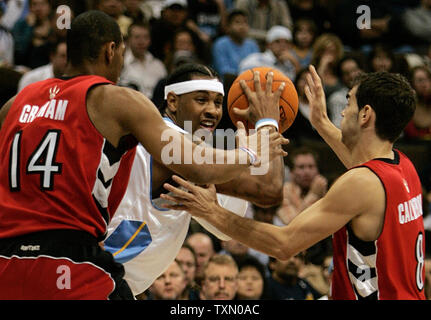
230, 49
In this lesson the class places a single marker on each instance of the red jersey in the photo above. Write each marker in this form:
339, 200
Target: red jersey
392, 267
57, 170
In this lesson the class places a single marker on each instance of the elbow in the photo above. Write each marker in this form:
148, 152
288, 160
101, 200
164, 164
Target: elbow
282, 253
270, 197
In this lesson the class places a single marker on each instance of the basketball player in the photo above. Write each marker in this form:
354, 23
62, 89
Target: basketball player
67, 149
145, 237
374, 210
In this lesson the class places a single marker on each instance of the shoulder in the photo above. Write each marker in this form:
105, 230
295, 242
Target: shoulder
357, 189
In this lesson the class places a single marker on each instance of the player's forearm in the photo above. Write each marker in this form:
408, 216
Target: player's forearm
261, 190
332, 136
263, 237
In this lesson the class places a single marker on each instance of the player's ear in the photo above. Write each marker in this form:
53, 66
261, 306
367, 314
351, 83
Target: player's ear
109, 51
172, 102
366, 114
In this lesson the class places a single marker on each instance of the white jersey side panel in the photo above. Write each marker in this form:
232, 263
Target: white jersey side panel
147, 238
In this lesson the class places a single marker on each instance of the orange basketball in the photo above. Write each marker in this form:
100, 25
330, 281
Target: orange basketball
288, 100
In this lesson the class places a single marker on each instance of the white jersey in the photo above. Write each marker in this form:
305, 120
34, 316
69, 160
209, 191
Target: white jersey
145, 237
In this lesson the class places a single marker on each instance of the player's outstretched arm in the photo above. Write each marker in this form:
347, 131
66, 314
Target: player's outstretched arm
117, 111
320, 120
323, 218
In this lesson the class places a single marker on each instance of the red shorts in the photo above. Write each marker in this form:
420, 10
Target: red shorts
60, 264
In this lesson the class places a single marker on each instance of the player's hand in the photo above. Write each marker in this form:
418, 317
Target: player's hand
319, 186
261, 103
197, 200
316, 98
266, 143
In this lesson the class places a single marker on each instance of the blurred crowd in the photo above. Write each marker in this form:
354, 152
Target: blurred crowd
341, 38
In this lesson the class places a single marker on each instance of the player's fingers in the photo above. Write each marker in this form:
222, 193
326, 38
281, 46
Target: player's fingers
245, 88
269, 80
315, 76
177, 191
241, 113
308, 93
310, 82
174, 199
174, 206
280, 89
256, 81
184, 183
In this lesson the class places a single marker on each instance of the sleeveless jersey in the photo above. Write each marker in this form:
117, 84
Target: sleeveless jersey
58, 171
391, 267
145, 237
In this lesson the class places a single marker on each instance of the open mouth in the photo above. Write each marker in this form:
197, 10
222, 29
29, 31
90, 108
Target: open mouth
208, 125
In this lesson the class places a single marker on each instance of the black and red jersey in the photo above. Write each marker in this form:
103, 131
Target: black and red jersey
57, 170
391, 267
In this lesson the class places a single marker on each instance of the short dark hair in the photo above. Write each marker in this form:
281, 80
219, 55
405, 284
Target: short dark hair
88, 33
391, 97
186, 72
138, 24
301, 151
235, 12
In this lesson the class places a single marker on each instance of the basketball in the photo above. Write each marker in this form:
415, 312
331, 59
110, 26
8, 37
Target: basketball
288, 100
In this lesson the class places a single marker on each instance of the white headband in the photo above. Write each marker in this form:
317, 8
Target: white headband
194, 85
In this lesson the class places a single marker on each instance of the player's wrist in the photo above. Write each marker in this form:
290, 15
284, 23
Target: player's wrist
266, 122
252, 155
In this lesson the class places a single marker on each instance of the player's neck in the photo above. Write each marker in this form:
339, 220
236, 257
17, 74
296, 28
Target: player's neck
83, 69
372, 149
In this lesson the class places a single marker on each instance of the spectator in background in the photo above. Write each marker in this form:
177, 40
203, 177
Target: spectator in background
220, 280
316, 273
382, 58
312, 10
141, 70
264, 14
6, 45
301, 129
285, 283
419, 128
14, 10
209, 17
186, 258
229, 50
235, 249
115, 9
348, 69
304, 34
32, 35
385, 25
278, 54
169, 285
204, 249
138, 10
251, 280
307, 185
418, 21
173, 16
185, 40
327, 51
56, 67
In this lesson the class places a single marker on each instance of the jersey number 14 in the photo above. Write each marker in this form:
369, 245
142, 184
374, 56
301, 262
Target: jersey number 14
41, 161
